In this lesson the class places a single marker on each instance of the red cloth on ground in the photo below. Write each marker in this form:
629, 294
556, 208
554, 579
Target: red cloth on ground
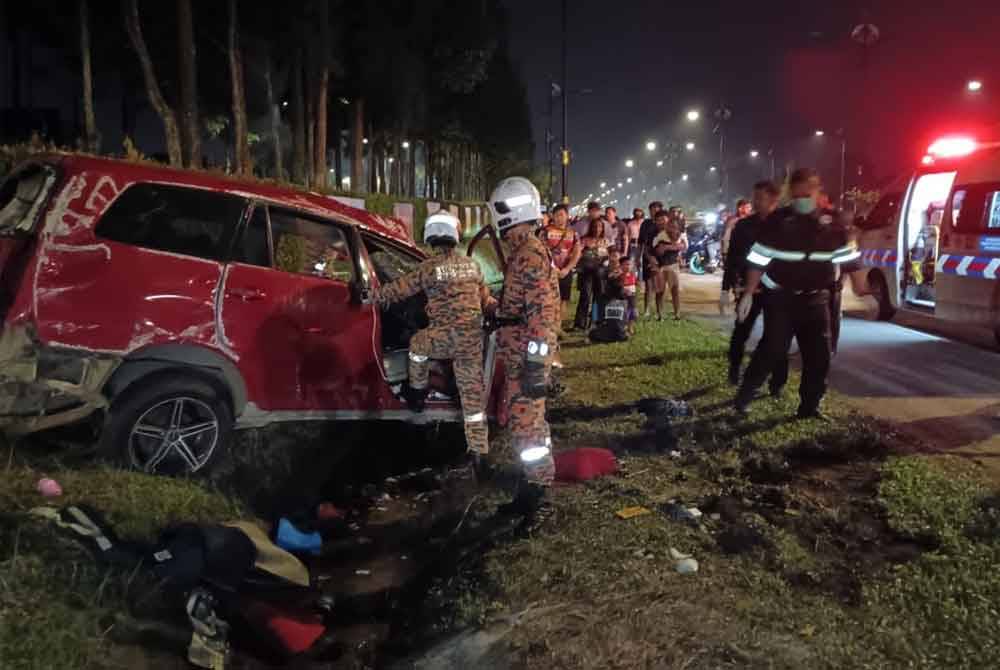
579, 465
294, 631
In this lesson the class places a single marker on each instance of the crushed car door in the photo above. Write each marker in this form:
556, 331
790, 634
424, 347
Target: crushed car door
288, 308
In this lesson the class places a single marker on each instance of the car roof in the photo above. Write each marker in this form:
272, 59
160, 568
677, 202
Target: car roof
308, 201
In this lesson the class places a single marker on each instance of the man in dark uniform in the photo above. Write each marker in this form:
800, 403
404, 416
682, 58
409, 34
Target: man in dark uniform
795, 259
742, 238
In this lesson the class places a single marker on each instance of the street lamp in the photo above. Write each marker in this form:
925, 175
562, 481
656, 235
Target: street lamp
620, 184
693, 115
820, 133
629, 180
630, 163
689, 146
659, 163
684, 177
974, 86
604, 184
711, 168
406, 145
651, 146
754, 153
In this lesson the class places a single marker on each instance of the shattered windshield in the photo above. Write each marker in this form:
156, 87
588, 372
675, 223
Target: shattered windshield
22, 196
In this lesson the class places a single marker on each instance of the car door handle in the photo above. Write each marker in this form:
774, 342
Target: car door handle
246, 294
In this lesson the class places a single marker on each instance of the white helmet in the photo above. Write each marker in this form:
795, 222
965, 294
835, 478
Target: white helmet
441, 224
515, 201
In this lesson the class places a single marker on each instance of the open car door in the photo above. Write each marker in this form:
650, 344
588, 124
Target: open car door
486, 250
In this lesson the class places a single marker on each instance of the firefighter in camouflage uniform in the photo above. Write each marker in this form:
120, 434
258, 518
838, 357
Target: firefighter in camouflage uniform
531, 301
456, 294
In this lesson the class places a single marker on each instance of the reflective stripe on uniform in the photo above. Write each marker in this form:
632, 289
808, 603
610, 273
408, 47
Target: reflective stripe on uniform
769, 283
757, 259
821, 256
478, 417
534, 454
853, 256
417, 358
846, 254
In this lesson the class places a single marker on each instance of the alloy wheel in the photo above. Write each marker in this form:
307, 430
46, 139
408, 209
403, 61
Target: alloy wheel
174, 436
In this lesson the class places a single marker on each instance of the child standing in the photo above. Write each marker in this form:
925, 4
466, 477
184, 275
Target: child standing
630, 283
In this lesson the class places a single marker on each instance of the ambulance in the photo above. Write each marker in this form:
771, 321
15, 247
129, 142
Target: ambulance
932, 242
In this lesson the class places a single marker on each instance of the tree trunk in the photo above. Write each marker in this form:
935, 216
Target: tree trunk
338, 160
412, 169
272, 104
380, 169
310, 134
134, 29
90, 138
187, 57
298, 121
241, 141
320, 173
358, 148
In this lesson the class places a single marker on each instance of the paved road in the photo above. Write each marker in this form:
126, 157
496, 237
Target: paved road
940, 384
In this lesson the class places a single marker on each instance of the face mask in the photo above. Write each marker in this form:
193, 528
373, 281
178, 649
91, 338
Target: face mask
804, 205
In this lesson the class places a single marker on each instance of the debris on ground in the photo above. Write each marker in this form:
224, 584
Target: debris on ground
632, 512
682, 513
294, 540
584, 464
49, 488
683, 563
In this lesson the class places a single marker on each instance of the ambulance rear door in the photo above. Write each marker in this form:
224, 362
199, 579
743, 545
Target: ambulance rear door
919, 233
969, 262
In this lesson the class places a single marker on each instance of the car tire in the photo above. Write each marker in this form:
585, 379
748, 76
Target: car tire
168, 424
880, 291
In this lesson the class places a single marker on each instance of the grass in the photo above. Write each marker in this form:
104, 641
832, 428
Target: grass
821, 547
58, 607
826, 552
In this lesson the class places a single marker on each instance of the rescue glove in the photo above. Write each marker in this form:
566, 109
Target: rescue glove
744, 305
535, 380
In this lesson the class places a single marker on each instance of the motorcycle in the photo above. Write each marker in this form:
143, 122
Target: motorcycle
703, 252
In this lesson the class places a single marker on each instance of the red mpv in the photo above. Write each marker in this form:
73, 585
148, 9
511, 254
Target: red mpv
171, 307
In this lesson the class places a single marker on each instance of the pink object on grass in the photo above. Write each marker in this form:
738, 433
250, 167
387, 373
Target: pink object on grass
49, 488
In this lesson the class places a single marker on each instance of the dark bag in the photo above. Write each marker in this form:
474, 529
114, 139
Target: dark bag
611, 330
613, 326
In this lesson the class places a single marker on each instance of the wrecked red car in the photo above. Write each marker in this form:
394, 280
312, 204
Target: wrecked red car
171, 307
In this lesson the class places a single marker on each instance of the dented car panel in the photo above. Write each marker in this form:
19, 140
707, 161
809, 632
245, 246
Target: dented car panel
42, 387
306, 347
78, 304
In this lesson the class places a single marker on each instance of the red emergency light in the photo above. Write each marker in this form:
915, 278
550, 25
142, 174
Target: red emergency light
953, 146
927, 160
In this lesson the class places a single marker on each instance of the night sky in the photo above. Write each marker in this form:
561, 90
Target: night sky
785, 72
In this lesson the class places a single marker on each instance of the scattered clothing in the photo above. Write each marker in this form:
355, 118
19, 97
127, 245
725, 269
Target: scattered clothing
294, 540
584, 464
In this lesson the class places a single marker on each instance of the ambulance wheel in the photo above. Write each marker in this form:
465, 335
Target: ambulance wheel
880, 291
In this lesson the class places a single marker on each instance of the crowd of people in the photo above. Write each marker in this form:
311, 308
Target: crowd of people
607, 258
785, 263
